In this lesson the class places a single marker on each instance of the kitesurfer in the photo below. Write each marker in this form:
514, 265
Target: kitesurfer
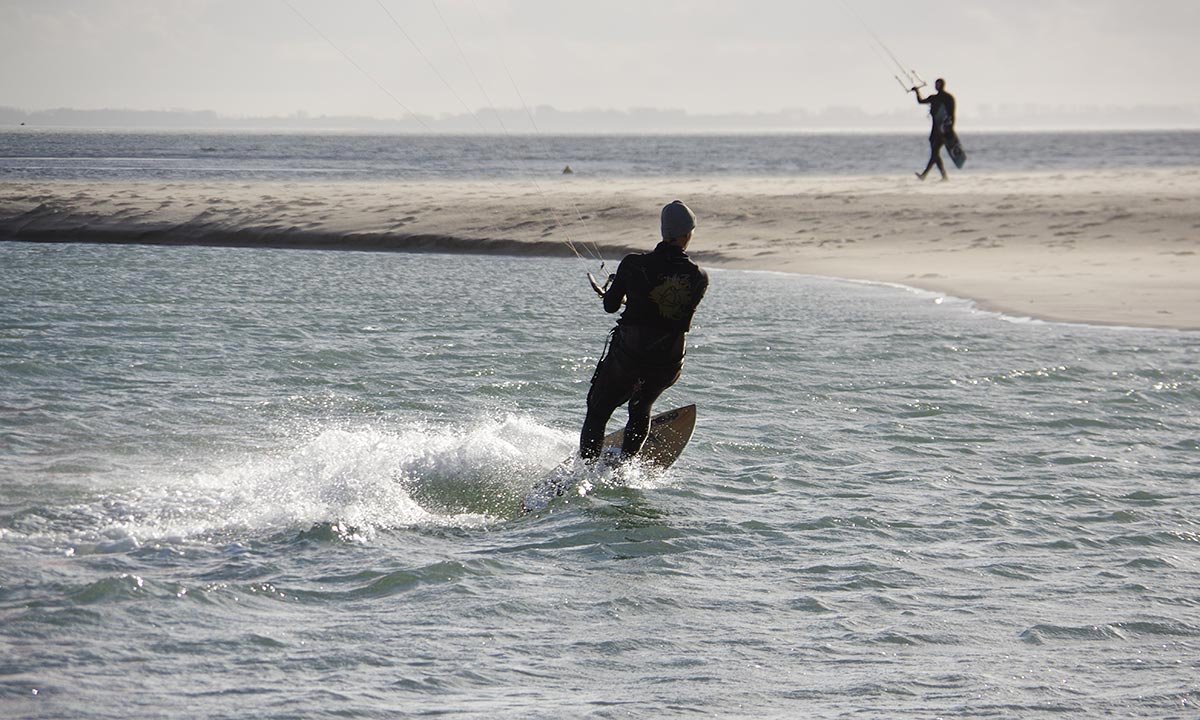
941, 110
644, 357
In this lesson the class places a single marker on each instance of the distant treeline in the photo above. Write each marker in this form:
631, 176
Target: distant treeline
549, 119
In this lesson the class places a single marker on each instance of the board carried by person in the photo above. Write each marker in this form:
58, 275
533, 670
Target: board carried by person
950, 139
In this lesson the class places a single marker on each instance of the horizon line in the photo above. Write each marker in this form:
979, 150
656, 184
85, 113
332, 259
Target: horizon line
1037, 118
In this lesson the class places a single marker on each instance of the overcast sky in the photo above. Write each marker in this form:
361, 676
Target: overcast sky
258, 57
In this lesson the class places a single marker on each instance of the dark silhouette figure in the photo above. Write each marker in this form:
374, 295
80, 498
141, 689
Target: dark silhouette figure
644, 356
941, 110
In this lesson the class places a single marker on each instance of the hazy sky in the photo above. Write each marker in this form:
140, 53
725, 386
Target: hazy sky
257, 57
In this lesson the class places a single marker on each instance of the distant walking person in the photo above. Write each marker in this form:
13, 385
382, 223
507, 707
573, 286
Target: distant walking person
941, 110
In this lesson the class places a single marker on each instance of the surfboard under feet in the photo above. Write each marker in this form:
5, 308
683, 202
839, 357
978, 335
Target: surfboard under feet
669, 434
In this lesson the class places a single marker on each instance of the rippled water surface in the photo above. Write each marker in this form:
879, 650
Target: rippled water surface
279, 483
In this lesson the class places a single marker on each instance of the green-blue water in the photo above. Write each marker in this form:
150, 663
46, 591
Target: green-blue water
278, 483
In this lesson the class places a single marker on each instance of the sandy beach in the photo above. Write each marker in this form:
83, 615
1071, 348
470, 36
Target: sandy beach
1101, 247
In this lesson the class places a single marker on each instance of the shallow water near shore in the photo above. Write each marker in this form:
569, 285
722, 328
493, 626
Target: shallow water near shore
284, 483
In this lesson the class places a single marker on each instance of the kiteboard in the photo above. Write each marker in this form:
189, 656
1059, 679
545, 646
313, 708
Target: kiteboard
950, 138
668, 435
955, 149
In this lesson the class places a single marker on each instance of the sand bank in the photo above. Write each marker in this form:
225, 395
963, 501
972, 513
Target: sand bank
1098, 247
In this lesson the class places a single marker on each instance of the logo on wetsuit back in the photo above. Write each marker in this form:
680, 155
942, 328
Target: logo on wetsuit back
672, 296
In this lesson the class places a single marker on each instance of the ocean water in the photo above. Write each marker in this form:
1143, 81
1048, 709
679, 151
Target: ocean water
273, 483
36, 154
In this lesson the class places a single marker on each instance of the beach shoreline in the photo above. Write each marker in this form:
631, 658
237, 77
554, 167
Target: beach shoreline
1115, 247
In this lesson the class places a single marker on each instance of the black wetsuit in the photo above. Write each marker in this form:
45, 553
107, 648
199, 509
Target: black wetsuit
661, 290
941, 110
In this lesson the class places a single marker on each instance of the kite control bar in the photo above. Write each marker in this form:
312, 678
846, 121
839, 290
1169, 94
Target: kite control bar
914, 84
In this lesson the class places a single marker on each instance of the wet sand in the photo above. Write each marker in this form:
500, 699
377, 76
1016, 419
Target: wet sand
1120, 248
